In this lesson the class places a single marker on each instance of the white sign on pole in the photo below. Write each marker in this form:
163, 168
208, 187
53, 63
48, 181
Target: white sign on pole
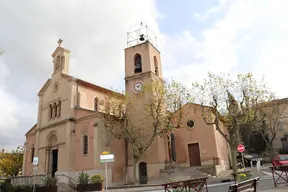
107, 158
35, 160
35, 163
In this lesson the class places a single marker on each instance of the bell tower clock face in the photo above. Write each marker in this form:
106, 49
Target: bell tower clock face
138, 87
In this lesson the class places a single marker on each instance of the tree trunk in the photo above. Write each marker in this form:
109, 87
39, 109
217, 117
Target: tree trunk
271, 150
233, 157
135, 161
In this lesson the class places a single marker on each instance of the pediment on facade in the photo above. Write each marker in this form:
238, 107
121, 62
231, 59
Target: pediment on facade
32, 130
59, 49
193, 106
45, 86
196, 110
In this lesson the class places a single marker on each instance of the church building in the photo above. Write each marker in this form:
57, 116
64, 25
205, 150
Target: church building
69, 135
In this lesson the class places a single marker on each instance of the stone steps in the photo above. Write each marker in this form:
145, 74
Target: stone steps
179, 173
64, 187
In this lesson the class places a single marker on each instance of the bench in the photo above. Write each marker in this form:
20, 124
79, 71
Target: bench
244, 185
281, 172
188, 185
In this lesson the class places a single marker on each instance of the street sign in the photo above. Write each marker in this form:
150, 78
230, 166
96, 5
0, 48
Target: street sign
35, 160
240, 148
105, 152
107, 158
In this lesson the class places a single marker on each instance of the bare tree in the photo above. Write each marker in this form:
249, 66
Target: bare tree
1, 51
233, 104
140, 127
271, 117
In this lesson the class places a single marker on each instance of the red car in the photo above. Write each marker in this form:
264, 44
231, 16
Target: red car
280, 160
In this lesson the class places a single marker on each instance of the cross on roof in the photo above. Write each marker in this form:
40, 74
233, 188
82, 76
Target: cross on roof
60, 42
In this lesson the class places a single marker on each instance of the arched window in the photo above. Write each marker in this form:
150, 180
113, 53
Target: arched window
78, 99
62, 62
85, 144
59, 109
95, 104
55, 110
58, 60
32, 153
137, 63
156, 66
50, 111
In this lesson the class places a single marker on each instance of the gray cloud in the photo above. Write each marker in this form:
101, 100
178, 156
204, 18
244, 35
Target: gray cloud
94, 32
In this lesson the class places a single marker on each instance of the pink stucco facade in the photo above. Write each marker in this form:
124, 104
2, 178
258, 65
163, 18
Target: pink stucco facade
67, 114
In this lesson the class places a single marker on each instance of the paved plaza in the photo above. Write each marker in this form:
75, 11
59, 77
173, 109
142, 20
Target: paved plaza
265, 185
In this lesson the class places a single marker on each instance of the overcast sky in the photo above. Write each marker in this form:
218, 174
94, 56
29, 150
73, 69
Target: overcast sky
194, 37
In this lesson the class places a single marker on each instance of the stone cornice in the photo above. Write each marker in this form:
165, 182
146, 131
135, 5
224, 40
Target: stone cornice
71, 119
56, 123
148, 73
60, 49
97, 114
52, 146
30, 130
144, 43
47, 83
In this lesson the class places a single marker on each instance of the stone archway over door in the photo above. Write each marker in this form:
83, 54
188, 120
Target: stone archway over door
143, 179
53, 154
194, 154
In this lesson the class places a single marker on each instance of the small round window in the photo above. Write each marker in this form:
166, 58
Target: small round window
190, 123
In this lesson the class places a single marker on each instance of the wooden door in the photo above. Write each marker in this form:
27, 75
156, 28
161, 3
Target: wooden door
194, 154
143, 179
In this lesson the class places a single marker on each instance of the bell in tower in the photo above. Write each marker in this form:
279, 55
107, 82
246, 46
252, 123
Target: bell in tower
139, 33
138, 63
142, 37
141, 55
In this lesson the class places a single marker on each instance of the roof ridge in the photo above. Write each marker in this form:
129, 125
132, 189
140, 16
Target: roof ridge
91, 85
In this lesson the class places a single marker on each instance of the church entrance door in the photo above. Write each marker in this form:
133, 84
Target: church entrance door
194, 154
54, 161
143, 173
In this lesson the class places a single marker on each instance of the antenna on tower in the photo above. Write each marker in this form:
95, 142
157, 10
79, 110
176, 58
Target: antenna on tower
140, 33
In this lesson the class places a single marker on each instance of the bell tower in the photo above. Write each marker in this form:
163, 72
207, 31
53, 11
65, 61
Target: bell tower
141, 54
61, 59
142, 59
142, 69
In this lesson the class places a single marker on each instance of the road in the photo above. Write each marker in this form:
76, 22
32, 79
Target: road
264, 184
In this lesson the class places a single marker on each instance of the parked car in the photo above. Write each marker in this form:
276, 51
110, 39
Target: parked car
248, 158
280, 160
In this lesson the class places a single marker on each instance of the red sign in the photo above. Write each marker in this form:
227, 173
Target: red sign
240, 148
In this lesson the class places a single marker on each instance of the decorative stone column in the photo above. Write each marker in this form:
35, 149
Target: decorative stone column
40, 108
24, 158
96, 146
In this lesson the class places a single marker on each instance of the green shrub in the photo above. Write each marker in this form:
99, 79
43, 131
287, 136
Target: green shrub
97, 179
83, 178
